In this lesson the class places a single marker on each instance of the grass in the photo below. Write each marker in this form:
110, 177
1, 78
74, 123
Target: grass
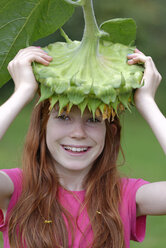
143, 155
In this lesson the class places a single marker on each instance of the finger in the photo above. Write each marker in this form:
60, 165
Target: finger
138, 51
136, 58
133, 55
33, 48
30, 50
28, 59
38, 53
44, 59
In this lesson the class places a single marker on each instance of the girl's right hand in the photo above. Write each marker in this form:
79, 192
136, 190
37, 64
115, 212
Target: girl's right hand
151, 78
21, 71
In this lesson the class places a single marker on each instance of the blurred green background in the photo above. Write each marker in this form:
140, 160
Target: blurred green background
143, 155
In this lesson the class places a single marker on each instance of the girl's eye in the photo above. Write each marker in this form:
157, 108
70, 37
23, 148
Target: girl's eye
63, 117
91, 120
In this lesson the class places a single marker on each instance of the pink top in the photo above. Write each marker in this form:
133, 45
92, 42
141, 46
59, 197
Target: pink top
134, 227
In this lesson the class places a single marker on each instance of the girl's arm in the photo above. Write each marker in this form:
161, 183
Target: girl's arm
25, 89
150, 198
25, 84
144, 97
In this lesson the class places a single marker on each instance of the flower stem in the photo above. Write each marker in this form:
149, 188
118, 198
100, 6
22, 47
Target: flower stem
90, 40
91, 30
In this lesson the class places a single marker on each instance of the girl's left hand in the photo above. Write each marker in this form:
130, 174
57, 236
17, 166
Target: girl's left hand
151, 78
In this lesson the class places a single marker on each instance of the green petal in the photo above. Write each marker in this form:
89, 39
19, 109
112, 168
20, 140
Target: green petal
45, 93
93, 104
60, 85
115, 105
108, 95
63, 101
54, 99
75, 95
101, 107
83, 105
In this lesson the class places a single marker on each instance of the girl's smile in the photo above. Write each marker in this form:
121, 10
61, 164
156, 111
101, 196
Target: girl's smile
76, 150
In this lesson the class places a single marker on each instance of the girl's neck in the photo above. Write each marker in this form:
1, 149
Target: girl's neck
72, 179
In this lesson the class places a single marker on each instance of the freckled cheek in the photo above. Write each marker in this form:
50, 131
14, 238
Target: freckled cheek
98, 135
55, 133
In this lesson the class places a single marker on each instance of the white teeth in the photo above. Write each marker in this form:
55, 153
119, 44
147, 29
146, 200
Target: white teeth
74, 149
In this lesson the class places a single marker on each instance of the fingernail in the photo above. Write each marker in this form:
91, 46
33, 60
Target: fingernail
130, 61
38, 46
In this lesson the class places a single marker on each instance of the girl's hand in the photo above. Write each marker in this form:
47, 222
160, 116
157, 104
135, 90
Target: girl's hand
144, 97
21, 71
151, 78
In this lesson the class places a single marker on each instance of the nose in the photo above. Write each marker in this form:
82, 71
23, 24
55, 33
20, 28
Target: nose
78, 131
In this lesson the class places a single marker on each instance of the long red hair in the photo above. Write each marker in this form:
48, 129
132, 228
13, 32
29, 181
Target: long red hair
39, 200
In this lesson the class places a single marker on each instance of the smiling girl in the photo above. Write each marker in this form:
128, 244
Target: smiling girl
69, 192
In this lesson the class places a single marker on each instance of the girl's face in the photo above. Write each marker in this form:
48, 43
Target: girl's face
75, 142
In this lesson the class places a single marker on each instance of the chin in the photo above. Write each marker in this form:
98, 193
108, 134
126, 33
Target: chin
77, 167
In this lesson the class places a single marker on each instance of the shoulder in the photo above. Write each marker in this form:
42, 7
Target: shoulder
11, 178
14, 172
130, 186
10, 182
127, 183
14, 175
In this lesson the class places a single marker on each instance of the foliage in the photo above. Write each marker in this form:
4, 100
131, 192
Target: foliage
24, 21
